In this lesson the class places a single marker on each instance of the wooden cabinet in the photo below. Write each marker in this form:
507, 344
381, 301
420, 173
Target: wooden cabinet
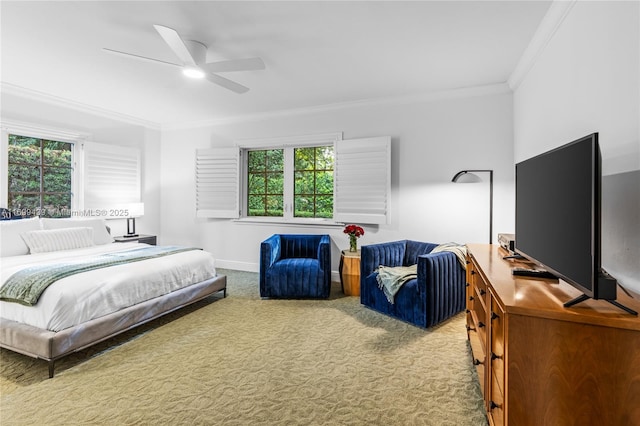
540, 363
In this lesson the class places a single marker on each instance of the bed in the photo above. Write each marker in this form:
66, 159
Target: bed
136, 283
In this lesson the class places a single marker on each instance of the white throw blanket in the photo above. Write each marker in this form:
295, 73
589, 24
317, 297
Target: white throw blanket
460, 250
391, 278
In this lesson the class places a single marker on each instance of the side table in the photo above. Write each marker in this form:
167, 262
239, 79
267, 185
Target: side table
142, 238
350, 272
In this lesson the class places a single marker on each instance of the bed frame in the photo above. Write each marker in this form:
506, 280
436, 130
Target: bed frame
51, 346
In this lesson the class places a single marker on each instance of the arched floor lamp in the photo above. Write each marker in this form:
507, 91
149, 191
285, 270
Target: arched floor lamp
469, 176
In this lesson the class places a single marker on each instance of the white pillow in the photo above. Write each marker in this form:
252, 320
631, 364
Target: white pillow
11, 243
43, 241
100, 233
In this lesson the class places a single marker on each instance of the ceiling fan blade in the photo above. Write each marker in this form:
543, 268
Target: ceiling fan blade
144, 58
226, 83
172, 38
248, 64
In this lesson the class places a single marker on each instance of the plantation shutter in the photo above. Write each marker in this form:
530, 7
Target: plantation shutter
217, 183
362, 180
111, 177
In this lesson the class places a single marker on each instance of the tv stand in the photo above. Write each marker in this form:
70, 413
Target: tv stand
584, 297
578, 366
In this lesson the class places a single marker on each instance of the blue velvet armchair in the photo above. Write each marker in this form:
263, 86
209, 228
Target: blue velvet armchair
295, 266
436, 294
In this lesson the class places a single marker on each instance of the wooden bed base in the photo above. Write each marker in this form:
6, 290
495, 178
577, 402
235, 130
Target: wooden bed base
51, 346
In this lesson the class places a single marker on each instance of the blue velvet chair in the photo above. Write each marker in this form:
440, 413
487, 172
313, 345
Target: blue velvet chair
436, 294
294, 266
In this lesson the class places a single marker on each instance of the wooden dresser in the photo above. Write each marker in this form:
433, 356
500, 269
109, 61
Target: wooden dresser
540, 363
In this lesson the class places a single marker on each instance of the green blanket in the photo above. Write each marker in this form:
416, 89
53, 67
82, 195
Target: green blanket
391, 278
26, 286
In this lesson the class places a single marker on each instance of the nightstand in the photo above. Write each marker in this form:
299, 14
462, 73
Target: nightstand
142, 238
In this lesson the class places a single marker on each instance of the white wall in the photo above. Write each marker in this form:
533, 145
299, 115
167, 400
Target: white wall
431, 141
586, 80
26, 109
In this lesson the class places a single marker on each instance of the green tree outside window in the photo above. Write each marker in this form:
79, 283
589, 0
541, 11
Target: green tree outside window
40, 173
266, 182
312, 182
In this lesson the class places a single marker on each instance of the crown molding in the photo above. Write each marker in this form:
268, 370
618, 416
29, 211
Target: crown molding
424, 97
23, 92
557, 12
297, 140
24, 128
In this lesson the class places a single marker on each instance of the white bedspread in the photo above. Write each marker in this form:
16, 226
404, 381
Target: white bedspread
82, 297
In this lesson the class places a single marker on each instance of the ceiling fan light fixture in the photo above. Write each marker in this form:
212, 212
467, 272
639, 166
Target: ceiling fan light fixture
193, 72
192, 57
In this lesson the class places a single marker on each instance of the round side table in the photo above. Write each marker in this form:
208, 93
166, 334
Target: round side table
350, 272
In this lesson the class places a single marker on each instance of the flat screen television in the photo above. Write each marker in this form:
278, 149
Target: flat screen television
558, 216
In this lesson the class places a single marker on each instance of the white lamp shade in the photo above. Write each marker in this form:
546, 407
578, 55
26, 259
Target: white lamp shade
468, 177
135, 209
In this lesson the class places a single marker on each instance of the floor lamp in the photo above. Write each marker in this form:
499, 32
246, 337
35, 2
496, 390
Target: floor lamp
469, 176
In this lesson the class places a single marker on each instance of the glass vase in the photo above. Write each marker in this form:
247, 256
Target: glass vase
353, 243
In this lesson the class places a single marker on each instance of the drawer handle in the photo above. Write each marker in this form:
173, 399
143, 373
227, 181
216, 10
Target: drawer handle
467, 285
467, 311
476, 361
473, 272
494, 316
469, 328
471, 298
494, 356
494, 405
480, 324
482, 292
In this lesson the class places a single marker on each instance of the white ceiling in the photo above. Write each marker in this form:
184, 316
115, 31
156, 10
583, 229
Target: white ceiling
316, 53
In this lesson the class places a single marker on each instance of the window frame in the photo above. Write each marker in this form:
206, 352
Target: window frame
246, 174
46, 133
288, 144
41, 193
317, 174
288, 182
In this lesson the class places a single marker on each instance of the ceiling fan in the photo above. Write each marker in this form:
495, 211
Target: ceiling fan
193, 58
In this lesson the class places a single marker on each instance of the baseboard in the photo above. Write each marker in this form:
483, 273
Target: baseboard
238, 266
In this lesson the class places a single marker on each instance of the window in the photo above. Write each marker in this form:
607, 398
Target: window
310, 179
40, 174
265, 182
313, 182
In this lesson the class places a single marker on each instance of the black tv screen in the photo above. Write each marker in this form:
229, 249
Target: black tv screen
558, 213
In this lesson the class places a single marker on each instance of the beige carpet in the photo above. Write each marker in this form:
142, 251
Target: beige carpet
247, 361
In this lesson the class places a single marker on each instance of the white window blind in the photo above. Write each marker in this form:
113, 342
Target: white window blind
217, 183
362, 181
111, 177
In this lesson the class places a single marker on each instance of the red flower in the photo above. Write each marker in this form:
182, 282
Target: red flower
354, 230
